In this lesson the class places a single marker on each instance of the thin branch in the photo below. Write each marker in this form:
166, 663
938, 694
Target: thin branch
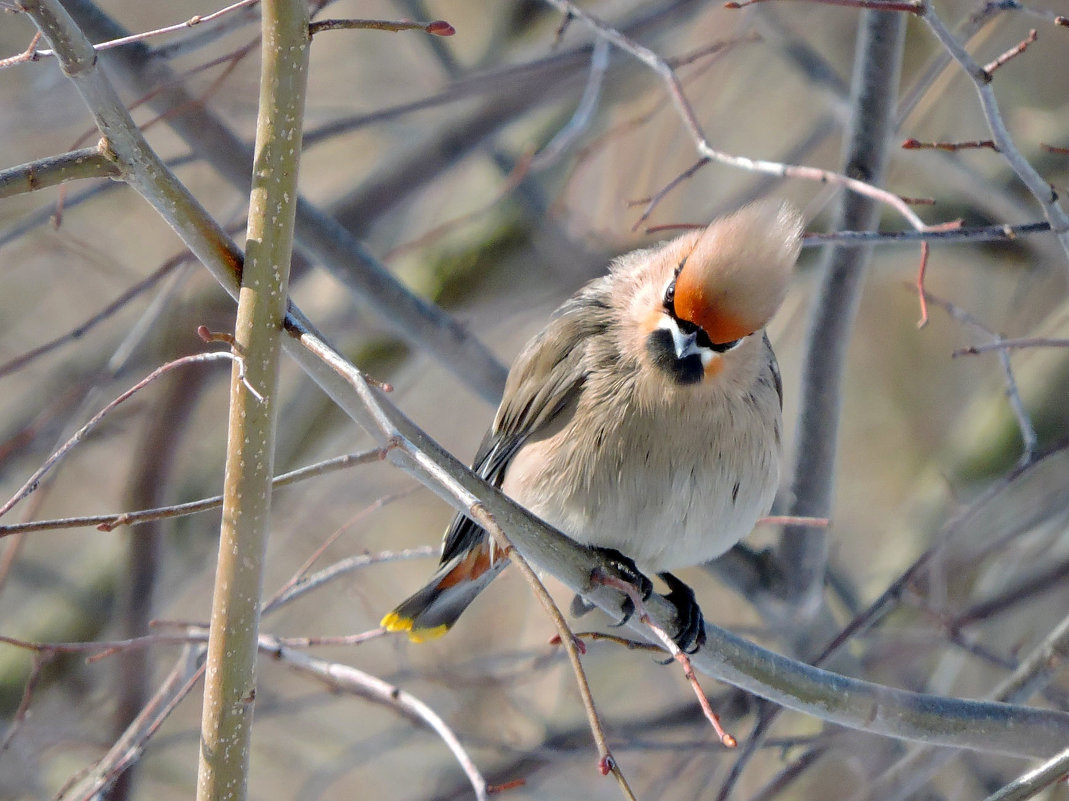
1013, 52
950, 147
131, 745
704, 149
41, 658
85, 327
606, 761
198, 19
1035, 781
107, 522
29, 54
1035, 183
77, 165
1010, 344
1029, 438
988, 233
438, 27
351, 680
32, 482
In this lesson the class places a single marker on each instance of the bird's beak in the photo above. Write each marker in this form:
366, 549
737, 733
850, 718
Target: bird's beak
684, 343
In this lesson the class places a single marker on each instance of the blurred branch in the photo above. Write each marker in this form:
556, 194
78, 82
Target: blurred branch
319, 237
663, 69
351, 680
1035, 183
152, 467
131, 745
878, 61
1036, 670
198, 19
1035, 781
230, 667
31, 484
89, 162
111, 521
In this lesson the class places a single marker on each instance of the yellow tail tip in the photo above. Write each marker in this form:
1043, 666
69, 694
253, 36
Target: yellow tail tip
395, 622
422, 635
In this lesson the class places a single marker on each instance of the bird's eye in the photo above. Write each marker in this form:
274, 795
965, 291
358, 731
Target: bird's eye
670, 297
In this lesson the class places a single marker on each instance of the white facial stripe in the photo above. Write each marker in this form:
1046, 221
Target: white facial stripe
684, 344
687, 345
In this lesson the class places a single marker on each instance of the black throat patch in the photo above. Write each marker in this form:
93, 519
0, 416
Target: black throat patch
688, 370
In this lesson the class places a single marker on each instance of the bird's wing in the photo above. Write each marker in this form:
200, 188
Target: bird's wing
546, 377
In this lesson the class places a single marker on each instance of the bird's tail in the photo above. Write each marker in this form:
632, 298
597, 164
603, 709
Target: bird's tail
432, 611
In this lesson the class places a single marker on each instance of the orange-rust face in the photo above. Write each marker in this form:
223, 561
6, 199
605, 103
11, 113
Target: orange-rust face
698, 303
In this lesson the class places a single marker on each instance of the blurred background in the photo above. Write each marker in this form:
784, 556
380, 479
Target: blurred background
436, 153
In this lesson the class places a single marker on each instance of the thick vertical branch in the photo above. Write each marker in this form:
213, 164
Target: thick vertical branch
877, 66
230, 678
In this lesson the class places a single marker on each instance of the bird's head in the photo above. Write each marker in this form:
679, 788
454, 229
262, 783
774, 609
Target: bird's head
716, 287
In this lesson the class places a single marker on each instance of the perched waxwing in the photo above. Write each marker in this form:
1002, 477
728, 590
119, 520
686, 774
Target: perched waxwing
644, 418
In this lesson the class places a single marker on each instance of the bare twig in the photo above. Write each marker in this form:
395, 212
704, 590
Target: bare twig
606, 761
89, 162
1013, 52
1010, 344
29, 54
31, 483
1035, 781
705, 150
350, 679
83, 328
727, 740
1024, 421
40, 658
198, 19
1035, 183
437, 27
111, 521
950, 147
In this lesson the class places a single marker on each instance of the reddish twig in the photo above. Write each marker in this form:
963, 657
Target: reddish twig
915, 144
1013, 52
922, 269
794, 520
727, 740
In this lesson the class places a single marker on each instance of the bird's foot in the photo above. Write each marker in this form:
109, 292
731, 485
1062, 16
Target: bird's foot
691, 634
618, 570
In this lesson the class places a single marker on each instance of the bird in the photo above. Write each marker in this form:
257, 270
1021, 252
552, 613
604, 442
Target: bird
643, 421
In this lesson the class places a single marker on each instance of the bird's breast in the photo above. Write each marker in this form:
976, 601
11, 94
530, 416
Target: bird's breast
669, 488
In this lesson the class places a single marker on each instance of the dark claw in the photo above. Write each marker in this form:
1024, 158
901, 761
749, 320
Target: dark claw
691, 634
625, 568
580, 606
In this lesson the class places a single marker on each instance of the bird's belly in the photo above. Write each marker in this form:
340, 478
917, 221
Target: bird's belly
664, 517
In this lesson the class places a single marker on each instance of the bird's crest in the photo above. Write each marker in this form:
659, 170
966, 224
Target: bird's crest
733, 275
